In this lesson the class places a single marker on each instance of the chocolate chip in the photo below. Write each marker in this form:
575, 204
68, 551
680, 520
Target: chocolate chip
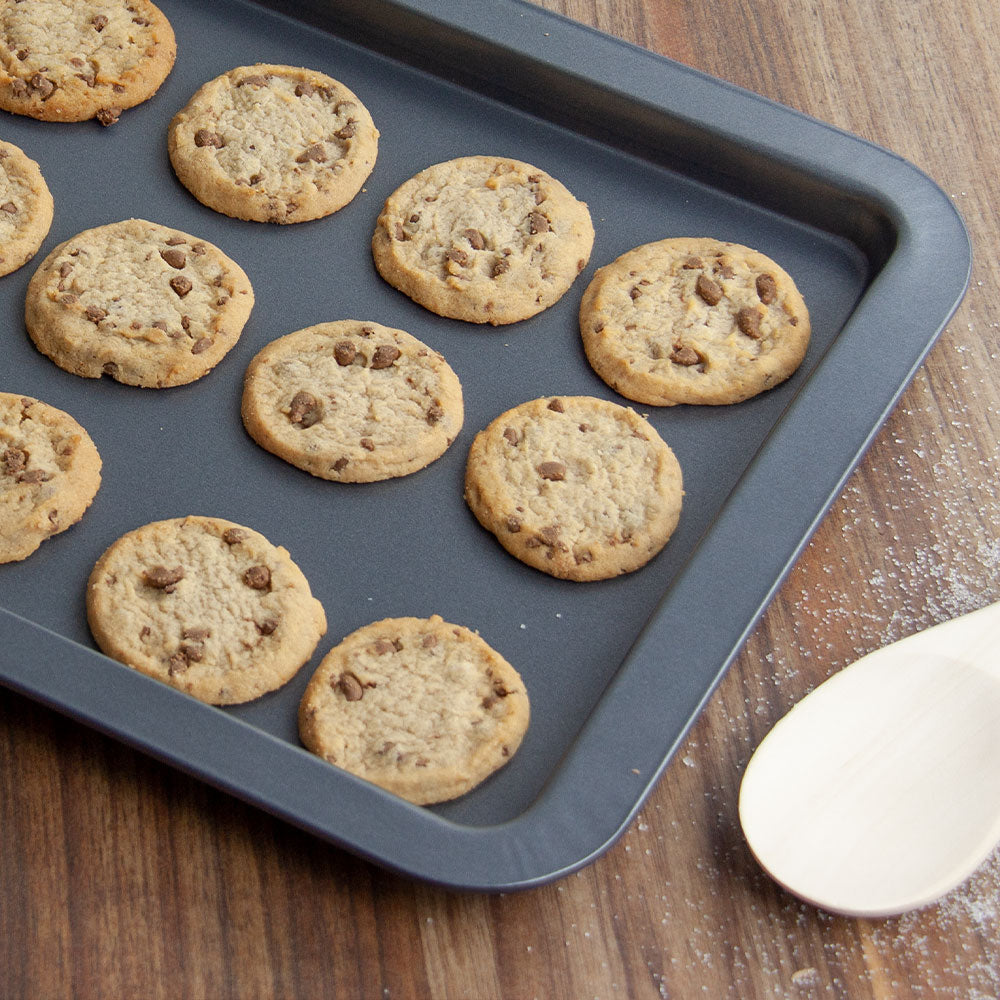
511, 436
710, 291
384, 356
232, 536
684, 355
14, 460
304, 409
258, 577
767, 288
192, 652
163, 578
538, 223
456, 256
33, 476
340, 465
175, 258
513, 524
197, 634
692, 264
401, 233
205, 137
201, 344
367, 443
344, 353
434, 413
500, 266
304, 90
95, 313
348, 131
41, 86
554, 471
9, 207
634, 293
99, 21
349, 686
267, 626
550, 534
429, 641
475, 238
748, 322
106, 116
256, 80
177, 664
181, 285
316, 153
557, 406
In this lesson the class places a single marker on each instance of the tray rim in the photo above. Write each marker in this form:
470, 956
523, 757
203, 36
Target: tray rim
557, 833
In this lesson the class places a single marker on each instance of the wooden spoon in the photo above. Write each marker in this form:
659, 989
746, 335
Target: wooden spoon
880, 791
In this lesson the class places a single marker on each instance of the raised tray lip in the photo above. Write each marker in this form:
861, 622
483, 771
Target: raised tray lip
603, 781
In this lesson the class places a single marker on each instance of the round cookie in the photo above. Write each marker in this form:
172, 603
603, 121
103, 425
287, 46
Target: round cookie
207, 606
578, 487
143, 303
483, 239
25, 208
351, 401
420, 707
50, 472
273, 144
67, 62
693, 321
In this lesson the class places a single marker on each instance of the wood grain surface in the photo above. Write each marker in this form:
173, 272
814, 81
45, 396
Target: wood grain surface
120, 877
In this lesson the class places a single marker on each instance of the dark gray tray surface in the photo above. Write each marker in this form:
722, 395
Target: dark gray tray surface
616, 671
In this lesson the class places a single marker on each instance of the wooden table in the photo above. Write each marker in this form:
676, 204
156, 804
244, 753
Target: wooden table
122, 878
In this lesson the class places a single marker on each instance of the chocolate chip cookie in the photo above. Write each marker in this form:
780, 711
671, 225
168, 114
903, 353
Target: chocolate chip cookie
207, 606
50, 471
25, 208
143, 303
273, 144
693, 321
483, 239
420, 707
68, 62
578, 487
352, 401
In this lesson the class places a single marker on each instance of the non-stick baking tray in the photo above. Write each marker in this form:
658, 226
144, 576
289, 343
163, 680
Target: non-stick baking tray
617, 670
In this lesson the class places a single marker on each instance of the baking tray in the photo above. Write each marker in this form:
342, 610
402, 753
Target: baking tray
617, 670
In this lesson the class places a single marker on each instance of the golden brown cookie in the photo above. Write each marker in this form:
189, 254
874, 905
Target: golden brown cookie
143, 303
207, 606
273, 144
693, 321
484, 239
50, 472
67, 62
352, 401
578, 487
420, 707
25, 208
